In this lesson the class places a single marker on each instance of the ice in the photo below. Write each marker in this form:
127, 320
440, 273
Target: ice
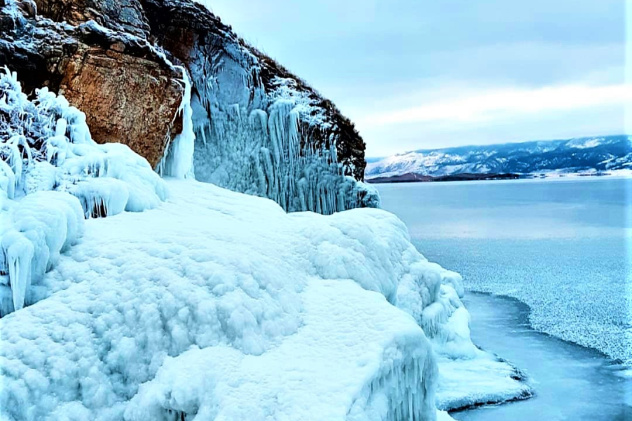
219, 305
273, 142
571, 382
18, 251
101, 197
551, 246
33, 233
178, 160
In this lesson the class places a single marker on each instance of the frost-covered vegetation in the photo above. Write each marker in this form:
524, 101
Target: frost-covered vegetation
46, 147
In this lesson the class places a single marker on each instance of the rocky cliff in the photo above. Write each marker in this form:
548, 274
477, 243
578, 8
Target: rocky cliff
169, 79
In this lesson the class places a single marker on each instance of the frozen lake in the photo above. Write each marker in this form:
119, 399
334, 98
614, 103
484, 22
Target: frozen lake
562, 246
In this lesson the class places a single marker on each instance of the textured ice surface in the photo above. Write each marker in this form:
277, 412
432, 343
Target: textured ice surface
560, 246
221, 303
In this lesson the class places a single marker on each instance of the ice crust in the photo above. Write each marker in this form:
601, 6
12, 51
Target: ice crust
281, 316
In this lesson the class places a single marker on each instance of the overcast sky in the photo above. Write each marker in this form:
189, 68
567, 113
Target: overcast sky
433, 73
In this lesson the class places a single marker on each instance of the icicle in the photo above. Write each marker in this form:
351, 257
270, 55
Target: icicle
18, 252
283, 148
178, 159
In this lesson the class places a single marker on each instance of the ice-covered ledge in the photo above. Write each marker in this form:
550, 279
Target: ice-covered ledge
233, 275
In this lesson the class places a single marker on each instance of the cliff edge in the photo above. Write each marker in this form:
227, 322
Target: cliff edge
180, 88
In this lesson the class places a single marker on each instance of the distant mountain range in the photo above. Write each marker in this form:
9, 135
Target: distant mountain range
579, 155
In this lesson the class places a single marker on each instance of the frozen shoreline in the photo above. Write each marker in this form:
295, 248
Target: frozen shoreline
570, 381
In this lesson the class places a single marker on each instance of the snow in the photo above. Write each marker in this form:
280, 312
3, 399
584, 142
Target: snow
329, 361
197, 307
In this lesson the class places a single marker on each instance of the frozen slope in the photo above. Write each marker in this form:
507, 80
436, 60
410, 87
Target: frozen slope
277, 312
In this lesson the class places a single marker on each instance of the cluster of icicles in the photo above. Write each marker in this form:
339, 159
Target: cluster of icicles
406, 386
264, 144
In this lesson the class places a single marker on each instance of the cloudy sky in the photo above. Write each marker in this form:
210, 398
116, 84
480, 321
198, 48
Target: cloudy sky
424, 73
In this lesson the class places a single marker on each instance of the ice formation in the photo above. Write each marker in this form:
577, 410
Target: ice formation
274, 142
178, 159
52, 174
269, 314
33, 232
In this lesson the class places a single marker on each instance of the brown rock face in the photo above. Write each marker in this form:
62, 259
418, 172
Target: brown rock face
130, 99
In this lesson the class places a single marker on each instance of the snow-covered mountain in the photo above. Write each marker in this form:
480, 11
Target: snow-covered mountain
571, 155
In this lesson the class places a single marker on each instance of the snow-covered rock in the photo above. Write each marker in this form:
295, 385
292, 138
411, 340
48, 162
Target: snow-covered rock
179, 87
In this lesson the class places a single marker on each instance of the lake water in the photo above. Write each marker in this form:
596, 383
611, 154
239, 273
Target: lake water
562, 246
